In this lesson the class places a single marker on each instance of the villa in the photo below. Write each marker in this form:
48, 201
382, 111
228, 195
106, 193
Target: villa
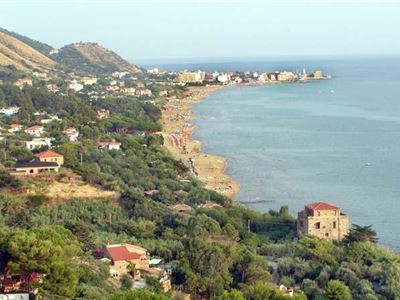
50, 156
37, 143
71, 133
15, 128
35, 130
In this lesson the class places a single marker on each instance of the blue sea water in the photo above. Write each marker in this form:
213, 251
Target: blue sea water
293, 144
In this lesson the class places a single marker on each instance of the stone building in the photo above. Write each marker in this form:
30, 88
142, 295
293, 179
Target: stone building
322, 220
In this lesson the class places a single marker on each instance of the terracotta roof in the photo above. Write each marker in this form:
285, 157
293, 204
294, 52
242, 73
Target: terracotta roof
47, 153
118, 253
34, 127
321, 206
15, 125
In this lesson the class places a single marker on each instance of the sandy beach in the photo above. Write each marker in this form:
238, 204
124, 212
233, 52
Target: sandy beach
178, 131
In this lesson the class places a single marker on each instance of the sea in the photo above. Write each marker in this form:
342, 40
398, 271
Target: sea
292, 144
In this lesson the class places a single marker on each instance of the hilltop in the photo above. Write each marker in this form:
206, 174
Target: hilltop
92, 57
26, 55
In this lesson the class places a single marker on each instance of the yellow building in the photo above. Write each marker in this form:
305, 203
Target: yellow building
322, 220
50, 156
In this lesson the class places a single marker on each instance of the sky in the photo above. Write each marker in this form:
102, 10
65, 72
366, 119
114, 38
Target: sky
146, 30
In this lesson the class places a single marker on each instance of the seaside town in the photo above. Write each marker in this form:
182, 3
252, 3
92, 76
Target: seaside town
106, 195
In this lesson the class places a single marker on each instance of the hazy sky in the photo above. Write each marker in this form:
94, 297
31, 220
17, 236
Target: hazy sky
154, 29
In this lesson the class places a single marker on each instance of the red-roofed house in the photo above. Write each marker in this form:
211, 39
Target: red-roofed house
323, 220
50, 156
35, 130
15, 128
122, 255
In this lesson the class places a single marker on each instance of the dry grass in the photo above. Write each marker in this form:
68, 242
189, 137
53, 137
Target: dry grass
59, 188
22, 56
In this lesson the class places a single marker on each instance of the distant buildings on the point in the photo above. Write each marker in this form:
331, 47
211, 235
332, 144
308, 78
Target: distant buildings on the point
185, 77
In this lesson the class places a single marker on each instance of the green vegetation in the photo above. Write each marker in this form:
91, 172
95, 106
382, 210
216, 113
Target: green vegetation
221, 253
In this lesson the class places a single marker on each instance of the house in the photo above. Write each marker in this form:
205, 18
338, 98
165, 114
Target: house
124, 255
15, 296
50, 119
323, 220
128, 91
21, 82
141, 92
50, 156
75, 86
89, 80
37, 143
15, 128
102, 114
119, 74
34, 168
9, 111
40, 75
110, 145
52, 88
35, 130
71, 133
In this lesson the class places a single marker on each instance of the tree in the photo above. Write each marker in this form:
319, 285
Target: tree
139, 295
337, 290
359, 233
126, 282
45, 250
231, 295
262, 291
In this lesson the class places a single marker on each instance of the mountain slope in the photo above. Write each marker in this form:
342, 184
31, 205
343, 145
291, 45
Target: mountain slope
92, 57
39, 46
22, 56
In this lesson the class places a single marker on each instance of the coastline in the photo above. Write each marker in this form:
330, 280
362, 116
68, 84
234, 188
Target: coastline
178, 139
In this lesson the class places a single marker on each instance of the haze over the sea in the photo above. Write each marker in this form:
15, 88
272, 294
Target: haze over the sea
336, 140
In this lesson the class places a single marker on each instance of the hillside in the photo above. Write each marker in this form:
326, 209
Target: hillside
22, 56
39, 46
28, 55
93, 58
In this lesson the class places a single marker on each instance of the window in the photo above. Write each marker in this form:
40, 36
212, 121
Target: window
301, 224
326, 234
334, 224
317, 225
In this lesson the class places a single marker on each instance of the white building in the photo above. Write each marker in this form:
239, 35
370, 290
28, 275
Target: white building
110, 145
15, 128
35, 130
75, 86
37, 143
71, 133
223, 78
9, 111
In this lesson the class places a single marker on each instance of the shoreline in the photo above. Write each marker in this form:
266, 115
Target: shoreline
178, 139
